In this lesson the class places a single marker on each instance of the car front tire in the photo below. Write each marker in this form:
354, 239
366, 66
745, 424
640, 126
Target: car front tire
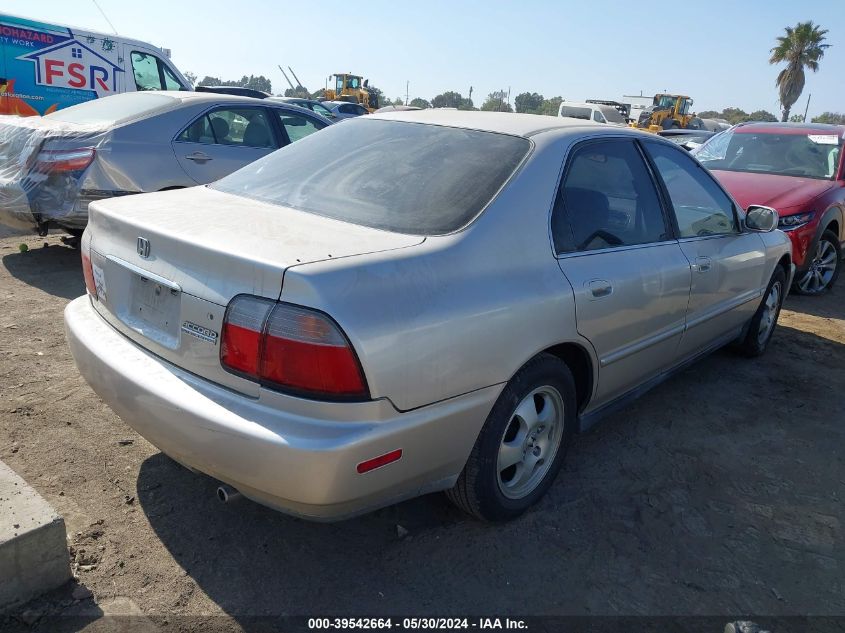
763, 323
824, 267
523, 443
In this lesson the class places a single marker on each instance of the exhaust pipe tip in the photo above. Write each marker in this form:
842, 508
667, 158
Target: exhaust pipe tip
227, 494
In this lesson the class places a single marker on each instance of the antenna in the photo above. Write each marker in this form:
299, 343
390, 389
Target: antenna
114, 30
286, 77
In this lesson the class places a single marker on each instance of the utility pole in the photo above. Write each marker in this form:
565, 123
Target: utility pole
470, 93
407, 88
809, 96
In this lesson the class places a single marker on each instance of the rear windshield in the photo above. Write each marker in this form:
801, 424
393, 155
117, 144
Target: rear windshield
116, 109
392, 175
575, 112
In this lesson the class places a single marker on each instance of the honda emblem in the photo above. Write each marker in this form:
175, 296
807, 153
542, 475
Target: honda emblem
143, 247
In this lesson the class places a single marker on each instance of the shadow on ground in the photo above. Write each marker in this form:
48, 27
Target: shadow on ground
56, 269
692, 501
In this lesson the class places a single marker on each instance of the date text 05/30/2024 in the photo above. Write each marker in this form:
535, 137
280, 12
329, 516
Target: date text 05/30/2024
414, 624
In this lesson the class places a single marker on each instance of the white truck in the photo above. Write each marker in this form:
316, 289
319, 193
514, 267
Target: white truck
45, 67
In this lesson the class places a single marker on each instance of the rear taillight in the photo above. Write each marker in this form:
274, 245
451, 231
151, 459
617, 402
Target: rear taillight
243, 325
290, 348
51, 160
88, 273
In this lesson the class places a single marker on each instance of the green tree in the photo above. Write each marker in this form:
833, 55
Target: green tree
836, 118
551, 106
762, 115
448, 99
710, 114
734, 115
496, 102
530, 102
300, 92
802, 46
796, 118
191, 77
256, 83
418, 102
398, 101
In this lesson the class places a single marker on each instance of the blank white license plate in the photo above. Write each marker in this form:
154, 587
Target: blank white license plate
155, 306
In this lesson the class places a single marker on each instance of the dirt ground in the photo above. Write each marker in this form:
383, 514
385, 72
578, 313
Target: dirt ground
720, 492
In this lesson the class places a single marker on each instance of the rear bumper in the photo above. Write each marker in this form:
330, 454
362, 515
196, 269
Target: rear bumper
299, 458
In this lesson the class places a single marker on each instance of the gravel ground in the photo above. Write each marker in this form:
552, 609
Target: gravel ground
720, 492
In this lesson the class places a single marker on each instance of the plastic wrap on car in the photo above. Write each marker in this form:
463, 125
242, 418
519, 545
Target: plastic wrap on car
34, 191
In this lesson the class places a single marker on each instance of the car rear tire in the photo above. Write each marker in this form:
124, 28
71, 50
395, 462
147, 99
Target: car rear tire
763, 323
522, 445
824, 267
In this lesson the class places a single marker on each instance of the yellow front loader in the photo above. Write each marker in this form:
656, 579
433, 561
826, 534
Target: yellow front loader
349, 87
669, 112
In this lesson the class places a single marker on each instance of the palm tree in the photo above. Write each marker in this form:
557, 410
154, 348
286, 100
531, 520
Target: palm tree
801, 46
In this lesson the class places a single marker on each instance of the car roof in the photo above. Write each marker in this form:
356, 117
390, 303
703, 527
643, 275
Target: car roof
187, 96
525, 125
789, 128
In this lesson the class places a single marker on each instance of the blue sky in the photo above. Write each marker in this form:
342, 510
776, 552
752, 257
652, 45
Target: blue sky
718, 55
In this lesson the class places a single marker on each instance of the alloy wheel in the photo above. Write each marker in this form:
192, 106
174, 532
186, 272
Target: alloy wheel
530, 442
822, 269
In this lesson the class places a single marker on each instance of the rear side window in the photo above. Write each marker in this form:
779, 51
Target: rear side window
701, 207
607, 199
296, 125
393, 175
245, 127
575, 113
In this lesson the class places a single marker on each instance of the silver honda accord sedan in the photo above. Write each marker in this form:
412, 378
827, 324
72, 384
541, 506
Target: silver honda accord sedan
416, 301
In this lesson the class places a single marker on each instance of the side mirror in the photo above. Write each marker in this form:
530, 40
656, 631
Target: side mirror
761, 219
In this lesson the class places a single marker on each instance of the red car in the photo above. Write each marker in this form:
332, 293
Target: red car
799, 170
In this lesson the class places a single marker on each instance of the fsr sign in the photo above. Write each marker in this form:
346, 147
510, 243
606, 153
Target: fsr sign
73, 65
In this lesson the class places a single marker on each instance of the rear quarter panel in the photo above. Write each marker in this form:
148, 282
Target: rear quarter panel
140, 156
458, 312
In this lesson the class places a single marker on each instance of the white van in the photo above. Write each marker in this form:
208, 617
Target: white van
45, 67
591, 112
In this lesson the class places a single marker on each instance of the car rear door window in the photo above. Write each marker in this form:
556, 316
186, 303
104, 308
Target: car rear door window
296, 125
245, 127
607, 199
198, 132
701, 206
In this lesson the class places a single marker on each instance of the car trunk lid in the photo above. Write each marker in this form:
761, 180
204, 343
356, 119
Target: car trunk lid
167, 264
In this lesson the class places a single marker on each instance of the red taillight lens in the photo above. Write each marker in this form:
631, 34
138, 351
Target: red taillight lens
241, 340
88, 273
306, 351
290, 347
50, 160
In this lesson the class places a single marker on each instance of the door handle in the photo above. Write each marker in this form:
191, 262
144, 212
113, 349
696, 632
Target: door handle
600, 288
702, 264
199, 157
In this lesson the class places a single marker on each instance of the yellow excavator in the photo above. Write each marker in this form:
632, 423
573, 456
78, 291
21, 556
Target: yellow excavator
669, 112
349, 87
